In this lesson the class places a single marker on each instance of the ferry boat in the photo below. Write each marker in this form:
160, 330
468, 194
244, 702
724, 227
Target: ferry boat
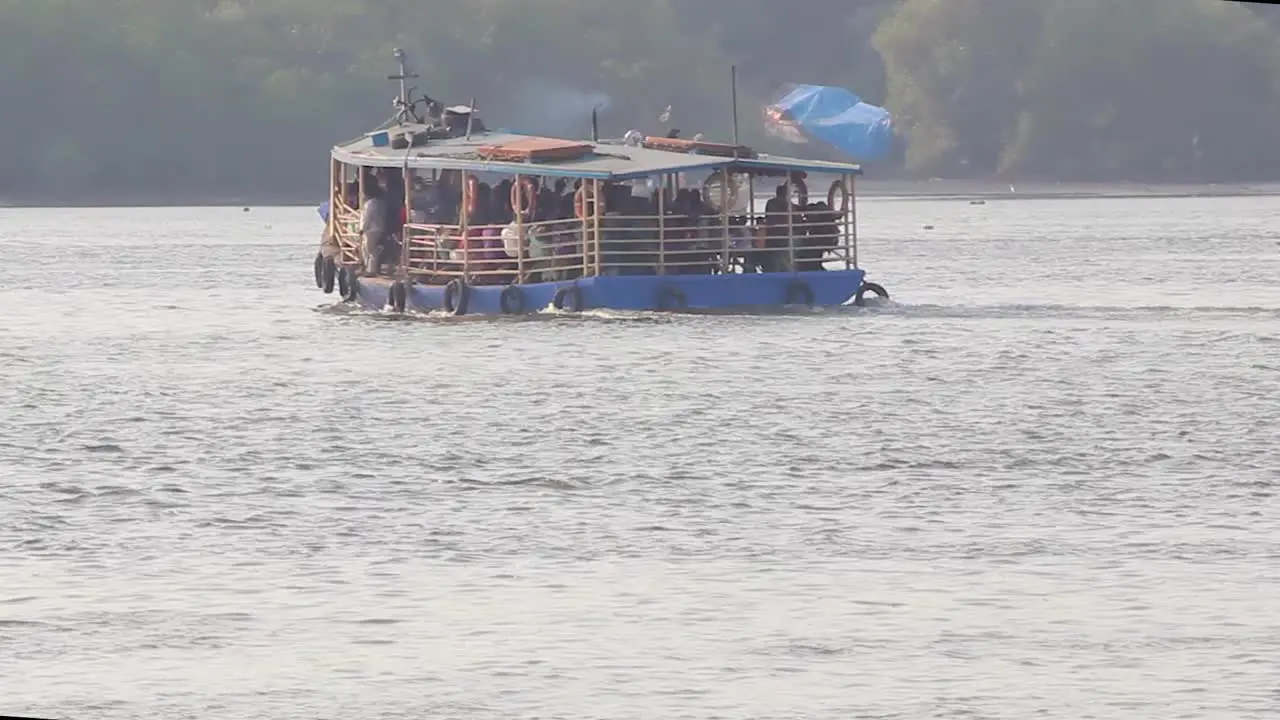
434, 212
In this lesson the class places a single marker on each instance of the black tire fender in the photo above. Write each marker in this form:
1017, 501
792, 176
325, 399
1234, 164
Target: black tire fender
348, 285
799, 293
568, 298
671, 297
457, 294
397, 296
869, 287
327, 275
512, 300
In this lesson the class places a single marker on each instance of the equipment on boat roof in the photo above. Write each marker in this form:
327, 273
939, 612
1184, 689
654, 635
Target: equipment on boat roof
440, 122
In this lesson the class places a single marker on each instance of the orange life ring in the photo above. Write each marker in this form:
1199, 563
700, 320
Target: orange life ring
801, 190
580, 200
473, 195
524, 199
838, 188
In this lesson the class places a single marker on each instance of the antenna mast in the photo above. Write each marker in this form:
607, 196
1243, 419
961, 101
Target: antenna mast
402, 102
733, 88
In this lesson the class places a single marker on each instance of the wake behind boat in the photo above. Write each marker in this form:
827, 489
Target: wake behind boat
435, 212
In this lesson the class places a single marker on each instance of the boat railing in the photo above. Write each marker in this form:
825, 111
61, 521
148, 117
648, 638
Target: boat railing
346, 223
679, 245
541, 251
612, 244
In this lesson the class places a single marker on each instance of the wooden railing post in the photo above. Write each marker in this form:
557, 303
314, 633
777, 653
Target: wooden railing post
662, 227
724, 218
361, 200
408, 220
597, 211
333, 207
853, 217
515, 206
464, 224
791, 226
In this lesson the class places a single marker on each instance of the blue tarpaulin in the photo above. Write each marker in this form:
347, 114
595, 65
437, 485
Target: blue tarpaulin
834, 116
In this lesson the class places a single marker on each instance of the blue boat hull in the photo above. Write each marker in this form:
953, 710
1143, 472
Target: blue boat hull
828, 288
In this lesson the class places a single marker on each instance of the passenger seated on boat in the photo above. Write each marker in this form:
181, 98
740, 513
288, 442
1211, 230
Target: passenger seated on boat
564, 207
703, 250
483, 209
543, 251
489, 257
740, 248
682, 231
502, 211
752, 258
563, 243
642, 238
449, 201
423, 200
822, 233
615, 247
488, 254
564, 200
674, 240
535, 249
373, 220
548, 200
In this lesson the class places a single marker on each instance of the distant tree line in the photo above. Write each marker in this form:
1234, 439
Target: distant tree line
243, 97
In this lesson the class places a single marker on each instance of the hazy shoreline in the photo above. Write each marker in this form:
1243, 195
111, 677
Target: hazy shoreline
986, 189
880, 189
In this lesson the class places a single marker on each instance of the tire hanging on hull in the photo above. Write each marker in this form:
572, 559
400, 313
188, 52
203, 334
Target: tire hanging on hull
457, 295
869, 287
512, 300
348, 285
671, 297
568, 299
328, 275
799, 293
398, 296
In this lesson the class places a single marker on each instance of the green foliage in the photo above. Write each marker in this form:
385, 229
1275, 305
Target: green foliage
245, 96
1084, 89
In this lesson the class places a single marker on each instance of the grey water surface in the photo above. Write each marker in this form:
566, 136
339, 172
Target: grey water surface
1040, 483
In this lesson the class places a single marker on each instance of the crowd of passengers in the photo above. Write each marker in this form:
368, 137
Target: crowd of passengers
693, 231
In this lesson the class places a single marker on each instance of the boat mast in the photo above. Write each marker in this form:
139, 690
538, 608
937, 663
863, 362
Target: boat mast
733, 94
402, 102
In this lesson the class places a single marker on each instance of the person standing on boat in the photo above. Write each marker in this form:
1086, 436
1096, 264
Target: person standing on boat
776, 238
392, 183
373, 226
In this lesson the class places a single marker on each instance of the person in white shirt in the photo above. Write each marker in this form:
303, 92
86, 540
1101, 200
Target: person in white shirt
373, 221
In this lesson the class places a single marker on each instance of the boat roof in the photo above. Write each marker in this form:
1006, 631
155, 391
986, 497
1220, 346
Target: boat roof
781, 163
600, 160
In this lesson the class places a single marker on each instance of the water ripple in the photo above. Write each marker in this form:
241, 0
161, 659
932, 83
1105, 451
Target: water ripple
1042, 482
